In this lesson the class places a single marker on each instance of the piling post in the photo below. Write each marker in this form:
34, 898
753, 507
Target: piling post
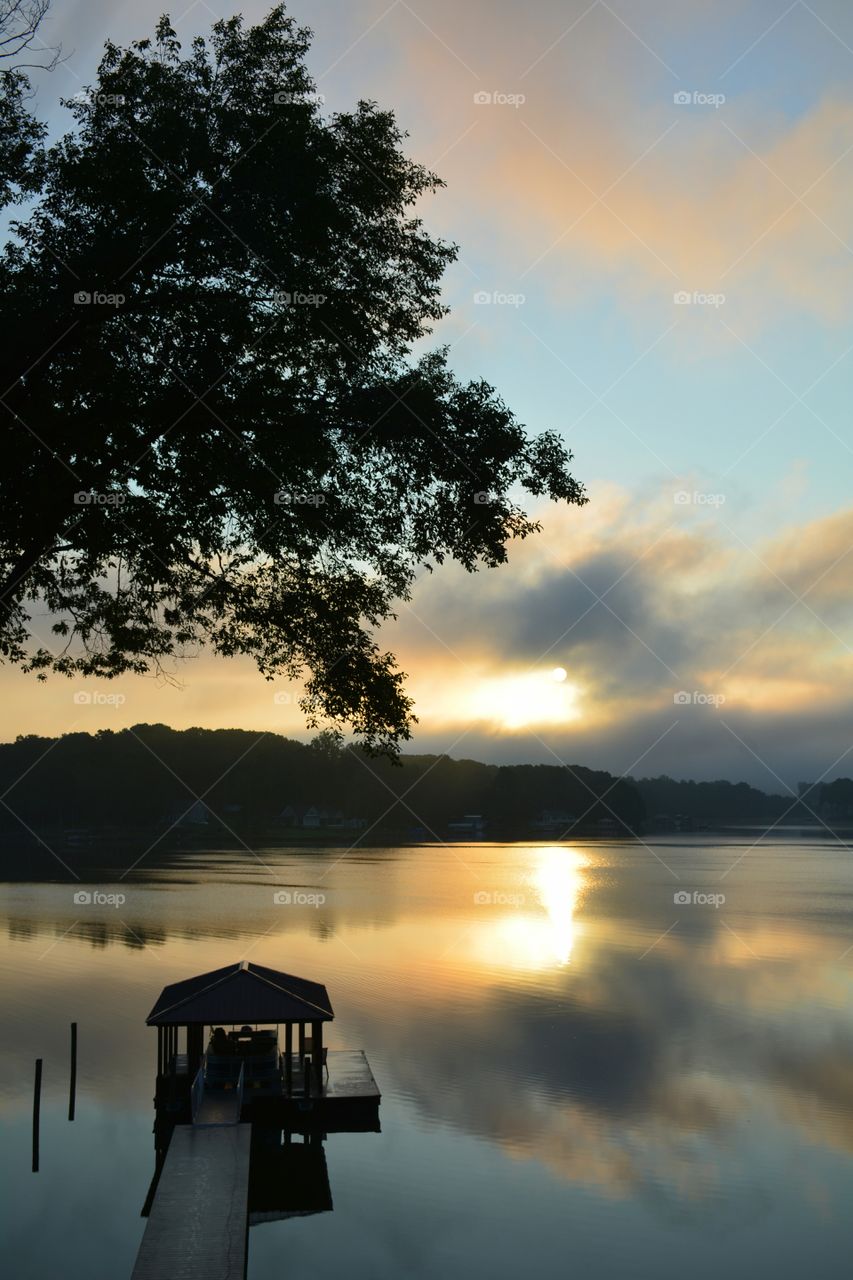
36, 1114
72, 1087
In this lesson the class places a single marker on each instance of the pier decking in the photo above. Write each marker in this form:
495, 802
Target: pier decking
198, 1225
348, 1089
218, 1109
347, 1077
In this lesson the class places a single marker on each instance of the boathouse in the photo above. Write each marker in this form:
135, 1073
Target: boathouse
243, 1099
236, 1003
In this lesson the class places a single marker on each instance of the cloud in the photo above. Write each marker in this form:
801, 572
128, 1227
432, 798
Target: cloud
638, 598
815, 562
640, 604
600, 181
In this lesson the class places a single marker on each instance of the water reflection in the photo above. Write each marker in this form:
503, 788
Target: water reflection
546, 1025
534, 929
288, 1174
559, 881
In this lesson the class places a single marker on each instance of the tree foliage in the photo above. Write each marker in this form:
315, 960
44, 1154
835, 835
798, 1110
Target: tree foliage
21, 45
20, 134
221, 434
717, 802
150, 776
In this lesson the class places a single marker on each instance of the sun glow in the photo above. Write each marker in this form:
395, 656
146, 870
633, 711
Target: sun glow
559, 882
542, 697
537, 940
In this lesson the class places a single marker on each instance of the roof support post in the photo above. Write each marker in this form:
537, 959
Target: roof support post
317, 1053
195, 1048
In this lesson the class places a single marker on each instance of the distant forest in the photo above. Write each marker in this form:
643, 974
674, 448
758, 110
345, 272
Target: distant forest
195, 782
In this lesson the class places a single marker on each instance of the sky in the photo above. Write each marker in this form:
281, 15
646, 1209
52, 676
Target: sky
654, 208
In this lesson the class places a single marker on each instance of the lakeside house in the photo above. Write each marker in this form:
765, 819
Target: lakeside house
471, 824
195, 818
671, 822
313, 817
553, 821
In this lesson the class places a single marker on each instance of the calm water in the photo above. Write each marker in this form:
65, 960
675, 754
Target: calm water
579, 1075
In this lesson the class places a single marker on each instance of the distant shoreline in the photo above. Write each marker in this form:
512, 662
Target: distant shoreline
28, 859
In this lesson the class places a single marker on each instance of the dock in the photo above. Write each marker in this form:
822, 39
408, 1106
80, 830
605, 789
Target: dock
245, 1099
346, 1078
199, 1220
349, 1077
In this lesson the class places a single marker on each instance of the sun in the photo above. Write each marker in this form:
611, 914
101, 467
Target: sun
531, 698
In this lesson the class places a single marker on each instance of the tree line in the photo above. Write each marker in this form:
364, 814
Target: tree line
151, 777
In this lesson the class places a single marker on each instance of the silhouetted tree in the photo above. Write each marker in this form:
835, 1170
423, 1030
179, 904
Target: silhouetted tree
20, 136
20, 41
327, 745
835, 799
20, 133
712, 802
221, 436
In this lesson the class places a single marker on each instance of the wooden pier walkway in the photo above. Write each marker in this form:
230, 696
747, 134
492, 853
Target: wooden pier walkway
218, 1108
198, 1226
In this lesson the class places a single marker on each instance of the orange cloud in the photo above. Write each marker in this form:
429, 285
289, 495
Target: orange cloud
598, 170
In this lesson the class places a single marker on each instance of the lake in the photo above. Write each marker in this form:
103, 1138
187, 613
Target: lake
590, 1063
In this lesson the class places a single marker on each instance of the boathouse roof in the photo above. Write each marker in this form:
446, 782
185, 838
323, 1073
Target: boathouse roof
241, 993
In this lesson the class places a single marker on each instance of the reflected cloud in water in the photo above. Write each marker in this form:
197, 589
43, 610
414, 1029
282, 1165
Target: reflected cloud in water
552, 1002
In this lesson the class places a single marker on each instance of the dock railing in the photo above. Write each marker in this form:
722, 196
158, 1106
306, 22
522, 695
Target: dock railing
197, 1093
